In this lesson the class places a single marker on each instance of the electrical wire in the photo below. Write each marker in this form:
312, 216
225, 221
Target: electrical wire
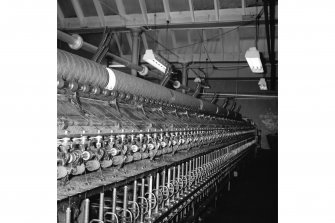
200, 42
214, 37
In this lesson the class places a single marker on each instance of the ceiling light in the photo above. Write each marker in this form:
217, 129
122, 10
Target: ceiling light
262, 84
254, 60
156, 61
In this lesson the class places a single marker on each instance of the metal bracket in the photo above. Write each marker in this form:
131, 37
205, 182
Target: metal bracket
141, 107
75, 100
160, 109
166, 77
114, 103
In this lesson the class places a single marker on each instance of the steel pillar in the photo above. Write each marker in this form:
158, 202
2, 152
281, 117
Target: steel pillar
135, 49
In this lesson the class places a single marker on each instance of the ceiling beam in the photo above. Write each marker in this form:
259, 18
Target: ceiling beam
100, 12
190, 3
60, 15
217, 10
79, 12
122, 10
203, 25
167, 9
124, 21
145, 41
143, 7
243, 6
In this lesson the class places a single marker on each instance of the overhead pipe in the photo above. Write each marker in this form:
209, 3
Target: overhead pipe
178, 85
72, 67
76, 42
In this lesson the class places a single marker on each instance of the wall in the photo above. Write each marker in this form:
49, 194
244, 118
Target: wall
264, 112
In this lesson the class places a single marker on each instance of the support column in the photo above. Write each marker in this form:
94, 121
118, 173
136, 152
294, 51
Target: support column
135, 49
184, 76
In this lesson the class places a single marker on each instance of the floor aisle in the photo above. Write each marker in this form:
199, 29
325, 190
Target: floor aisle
253, 197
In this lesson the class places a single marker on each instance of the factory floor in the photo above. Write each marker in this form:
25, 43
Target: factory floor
253, 195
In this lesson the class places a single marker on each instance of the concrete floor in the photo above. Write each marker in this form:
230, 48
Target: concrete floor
253, 196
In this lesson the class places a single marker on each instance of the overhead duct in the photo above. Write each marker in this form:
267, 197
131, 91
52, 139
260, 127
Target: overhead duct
71, 67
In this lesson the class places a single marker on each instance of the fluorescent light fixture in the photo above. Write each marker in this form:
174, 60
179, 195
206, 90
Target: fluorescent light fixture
254, 60
262, 84
155, 60
114, 64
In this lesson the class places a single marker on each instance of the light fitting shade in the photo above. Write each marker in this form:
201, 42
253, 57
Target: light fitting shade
254, 60
155, 60
262, 84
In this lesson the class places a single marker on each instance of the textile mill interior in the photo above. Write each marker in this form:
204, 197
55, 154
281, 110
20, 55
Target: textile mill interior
167, 111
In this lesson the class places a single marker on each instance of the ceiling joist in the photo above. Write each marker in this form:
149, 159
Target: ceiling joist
60, 16
217, 10
100, 12
79, 13
144, 11
191, 10
167, 9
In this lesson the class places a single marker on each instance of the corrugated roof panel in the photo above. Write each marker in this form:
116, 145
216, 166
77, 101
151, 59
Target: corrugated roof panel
196, 35
67, 8
132, 6
124, 43
151, 37
212, 34
109, 7
154, 6
166, 39
88, 8
227, 4
181, 36
203, 4
179, 5
253, 3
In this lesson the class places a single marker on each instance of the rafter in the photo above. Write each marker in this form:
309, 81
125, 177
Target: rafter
79, 12
173, 37
189, 36
217, 10
143, 7
130, 41
144, 39
222, 42
122, 11
100, 12
60, 15
116, 38
243, 7
167, 9
191, 10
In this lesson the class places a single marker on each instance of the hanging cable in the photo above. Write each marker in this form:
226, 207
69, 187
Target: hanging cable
200, 42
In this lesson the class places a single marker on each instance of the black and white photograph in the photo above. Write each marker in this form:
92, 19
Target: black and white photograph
167, 111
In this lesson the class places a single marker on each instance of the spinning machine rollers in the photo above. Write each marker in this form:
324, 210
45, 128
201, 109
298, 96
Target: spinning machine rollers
176, 147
